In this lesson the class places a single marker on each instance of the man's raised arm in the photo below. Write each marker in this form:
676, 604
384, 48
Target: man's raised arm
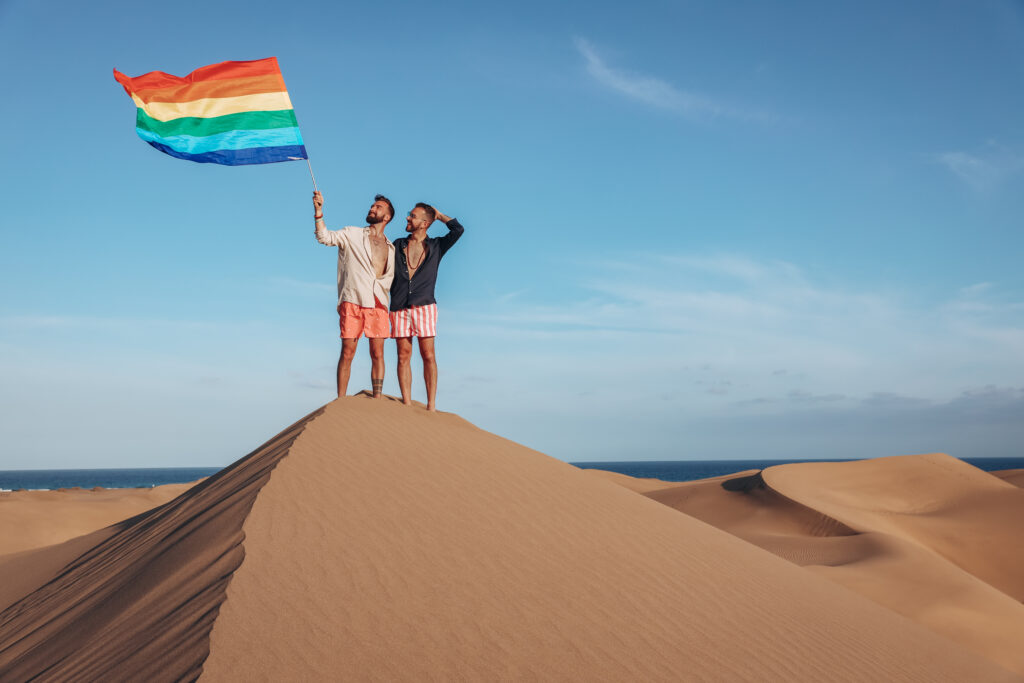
455, 230
330, 238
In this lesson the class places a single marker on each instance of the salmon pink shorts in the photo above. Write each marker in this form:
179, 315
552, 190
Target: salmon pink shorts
418, 321
356, 321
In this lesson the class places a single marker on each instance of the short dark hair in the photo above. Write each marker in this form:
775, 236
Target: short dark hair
431, 214
391, 207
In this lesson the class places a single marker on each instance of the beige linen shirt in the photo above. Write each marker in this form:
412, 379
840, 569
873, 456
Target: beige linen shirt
357, 281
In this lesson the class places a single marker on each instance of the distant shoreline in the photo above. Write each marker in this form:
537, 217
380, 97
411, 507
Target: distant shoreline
110, 478
148, 477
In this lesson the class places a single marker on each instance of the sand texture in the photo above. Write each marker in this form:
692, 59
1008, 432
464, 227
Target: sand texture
33, 519
927, 536
376, 542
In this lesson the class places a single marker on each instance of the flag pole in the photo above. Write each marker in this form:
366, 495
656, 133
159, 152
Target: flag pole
311, 174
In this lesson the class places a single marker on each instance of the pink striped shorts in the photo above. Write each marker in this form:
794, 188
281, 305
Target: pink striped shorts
418, 321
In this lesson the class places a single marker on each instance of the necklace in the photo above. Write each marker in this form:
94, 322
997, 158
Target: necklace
411, 267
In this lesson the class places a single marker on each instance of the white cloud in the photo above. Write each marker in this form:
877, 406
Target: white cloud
738, 267
661, 317
696, 356
976, 289
984, 171
646, 89
975, 171
657, 92
82, 322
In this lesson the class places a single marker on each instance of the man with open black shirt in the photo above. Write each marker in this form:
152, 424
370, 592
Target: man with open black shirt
413, 307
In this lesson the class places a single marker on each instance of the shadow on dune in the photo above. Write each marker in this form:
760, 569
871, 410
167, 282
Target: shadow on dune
744, 484
139, 605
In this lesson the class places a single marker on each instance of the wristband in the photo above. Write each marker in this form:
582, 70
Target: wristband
318, 218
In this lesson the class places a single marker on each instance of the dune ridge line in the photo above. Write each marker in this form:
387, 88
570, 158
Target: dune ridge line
139, 603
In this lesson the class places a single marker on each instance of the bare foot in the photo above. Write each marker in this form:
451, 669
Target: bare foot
431, 409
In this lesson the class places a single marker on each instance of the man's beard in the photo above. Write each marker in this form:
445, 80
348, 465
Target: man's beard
370, 218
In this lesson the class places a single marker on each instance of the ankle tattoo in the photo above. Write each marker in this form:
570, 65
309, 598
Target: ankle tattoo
378, 386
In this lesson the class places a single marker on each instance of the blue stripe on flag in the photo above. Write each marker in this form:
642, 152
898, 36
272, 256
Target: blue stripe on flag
230, 140
239, 157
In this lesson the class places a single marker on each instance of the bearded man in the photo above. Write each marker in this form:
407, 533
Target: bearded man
366, 267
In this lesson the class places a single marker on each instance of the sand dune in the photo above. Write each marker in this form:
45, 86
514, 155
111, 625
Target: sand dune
135, 601
633, 483
33, 519
386, 543
929, 537
1015, 477
966, 515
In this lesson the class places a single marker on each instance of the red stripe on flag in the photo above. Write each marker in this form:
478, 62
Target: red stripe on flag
213, 72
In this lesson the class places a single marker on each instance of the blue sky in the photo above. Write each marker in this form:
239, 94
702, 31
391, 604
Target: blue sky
694, 230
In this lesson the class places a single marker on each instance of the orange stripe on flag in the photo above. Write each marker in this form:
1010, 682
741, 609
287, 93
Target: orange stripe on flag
251, 85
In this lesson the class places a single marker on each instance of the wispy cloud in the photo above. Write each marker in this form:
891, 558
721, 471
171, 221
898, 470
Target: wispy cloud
975, 289
983, 171
750, 356
655, 91
84, 322
745, 319
509, 296
646, 89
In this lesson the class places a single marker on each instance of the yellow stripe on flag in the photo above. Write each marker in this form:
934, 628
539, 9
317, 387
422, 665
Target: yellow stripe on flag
215, 106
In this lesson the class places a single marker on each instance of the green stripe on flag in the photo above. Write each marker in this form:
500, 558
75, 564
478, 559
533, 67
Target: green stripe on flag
200, 127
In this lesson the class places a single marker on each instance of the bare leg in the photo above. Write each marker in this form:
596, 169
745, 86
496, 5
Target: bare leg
377, 369
405, 369
429, 370
348, 351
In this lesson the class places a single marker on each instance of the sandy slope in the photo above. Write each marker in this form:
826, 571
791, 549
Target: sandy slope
385, 543
33, 519
134, 601
929, 537
1015, 477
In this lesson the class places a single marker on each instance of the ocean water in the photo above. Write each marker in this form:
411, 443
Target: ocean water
109, 479
666, 470
689, 470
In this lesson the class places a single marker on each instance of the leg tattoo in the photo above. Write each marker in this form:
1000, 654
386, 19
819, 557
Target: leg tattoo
378, 386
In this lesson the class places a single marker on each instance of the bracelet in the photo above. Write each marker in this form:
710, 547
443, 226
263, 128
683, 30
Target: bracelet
318, 218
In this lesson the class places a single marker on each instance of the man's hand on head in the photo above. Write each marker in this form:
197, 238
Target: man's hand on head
440, 216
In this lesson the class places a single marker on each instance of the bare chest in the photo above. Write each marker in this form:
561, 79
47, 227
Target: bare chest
415, 255
378, 254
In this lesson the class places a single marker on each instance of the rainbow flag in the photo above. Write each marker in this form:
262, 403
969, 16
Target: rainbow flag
232, 113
